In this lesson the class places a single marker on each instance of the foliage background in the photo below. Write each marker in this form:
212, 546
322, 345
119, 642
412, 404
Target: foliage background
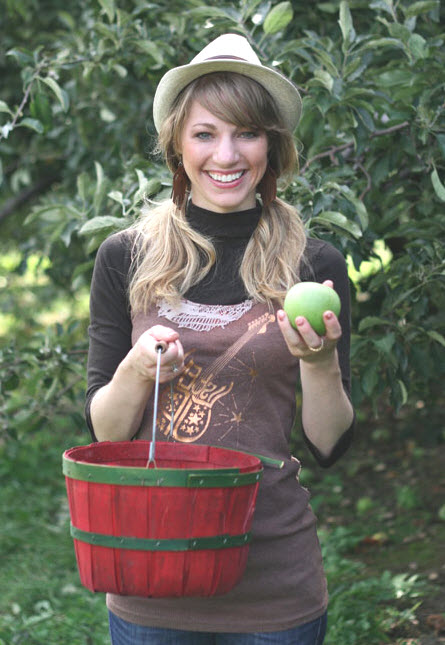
76, 163
76, 139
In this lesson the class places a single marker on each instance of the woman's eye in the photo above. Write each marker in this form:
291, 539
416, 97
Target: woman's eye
249, 134
203, 135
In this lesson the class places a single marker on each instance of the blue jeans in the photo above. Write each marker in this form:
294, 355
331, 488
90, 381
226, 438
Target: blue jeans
124, 633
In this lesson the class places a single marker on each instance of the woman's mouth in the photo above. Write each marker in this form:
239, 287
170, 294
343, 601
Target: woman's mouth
226, 178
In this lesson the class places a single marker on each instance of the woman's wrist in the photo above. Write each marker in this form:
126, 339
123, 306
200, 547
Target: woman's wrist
326, 361
129, 370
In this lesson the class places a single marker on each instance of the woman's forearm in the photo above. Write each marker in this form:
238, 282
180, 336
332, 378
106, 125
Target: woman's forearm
117, 408
326, 409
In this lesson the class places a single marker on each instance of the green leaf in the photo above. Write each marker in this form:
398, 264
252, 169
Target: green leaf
346, 26
403, 392
324, 78
326, 60
216, 12
417, 46
22, 56
327, 7
82, 183
371, 321
151, 48
109, 7
33, 124
437, 337
385, 5
351, 197
439, 188
278, 18
4, 107
339, 220
370, 379
117, 196
146, 187
60, 93
379, 43
420, 7
101, 223
40, 109
385, 344
120, 70
101, 188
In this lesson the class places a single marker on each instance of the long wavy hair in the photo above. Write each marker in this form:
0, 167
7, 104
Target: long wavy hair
169, 256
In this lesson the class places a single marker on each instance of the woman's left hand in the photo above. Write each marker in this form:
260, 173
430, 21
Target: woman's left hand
304, 342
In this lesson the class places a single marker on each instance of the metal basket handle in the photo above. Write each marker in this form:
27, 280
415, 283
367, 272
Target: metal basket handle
160, 347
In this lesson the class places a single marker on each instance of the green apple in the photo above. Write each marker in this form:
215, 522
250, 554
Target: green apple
311, 300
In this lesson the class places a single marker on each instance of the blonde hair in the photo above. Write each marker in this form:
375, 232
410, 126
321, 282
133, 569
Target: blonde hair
169, 256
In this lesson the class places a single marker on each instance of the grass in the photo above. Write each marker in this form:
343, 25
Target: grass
41, 599
376, 592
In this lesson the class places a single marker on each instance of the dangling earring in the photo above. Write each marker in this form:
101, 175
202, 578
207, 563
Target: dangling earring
181, 185
268, 186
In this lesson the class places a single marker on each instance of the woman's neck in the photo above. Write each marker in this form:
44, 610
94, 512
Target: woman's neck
239, 224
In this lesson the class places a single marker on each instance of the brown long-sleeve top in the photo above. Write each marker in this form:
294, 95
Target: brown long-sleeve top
238, 344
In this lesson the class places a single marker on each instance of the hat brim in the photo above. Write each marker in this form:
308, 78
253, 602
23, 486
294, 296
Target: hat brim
284, 93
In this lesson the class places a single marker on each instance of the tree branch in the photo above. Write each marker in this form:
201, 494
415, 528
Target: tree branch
327, 153
24, 99
333, 151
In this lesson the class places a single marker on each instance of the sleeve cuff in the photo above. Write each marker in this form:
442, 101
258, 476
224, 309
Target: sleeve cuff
338, 450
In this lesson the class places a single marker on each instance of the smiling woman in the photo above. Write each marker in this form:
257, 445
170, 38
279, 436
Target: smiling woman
206, 273
224, 163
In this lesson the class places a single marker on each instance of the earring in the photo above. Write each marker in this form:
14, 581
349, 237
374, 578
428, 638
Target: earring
181, 185
268, 186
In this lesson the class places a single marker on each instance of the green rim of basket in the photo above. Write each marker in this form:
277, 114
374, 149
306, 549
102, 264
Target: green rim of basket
176, 544
131, 476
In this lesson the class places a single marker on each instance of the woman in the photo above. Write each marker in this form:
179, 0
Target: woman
206, 273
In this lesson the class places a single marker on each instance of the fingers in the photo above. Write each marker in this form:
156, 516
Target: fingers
303, 342
143, 357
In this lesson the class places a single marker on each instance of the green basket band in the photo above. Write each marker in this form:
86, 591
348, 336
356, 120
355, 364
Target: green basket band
145, 544
182, 477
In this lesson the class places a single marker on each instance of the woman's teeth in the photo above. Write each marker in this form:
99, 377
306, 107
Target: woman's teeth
225, 179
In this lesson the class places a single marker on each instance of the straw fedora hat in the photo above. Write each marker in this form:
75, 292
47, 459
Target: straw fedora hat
228, 53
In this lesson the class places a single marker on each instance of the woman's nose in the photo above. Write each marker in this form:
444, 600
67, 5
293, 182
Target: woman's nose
226, 151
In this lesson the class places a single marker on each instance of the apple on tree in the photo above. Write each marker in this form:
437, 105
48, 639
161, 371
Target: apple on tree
311, 300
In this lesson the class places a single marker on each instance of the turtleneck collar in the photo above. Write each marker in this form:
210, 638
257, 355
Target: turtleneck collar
224, 225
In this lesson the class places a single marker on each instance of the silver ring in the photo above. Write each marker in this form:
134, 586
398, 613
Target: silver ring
175, 368
317, 349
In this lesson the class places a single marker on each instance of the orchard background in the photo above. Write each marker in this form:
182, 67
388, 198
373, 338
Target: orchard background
76, 163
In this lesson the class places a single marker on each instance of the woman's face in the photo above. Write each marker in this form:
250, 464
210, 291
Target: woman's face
224, 163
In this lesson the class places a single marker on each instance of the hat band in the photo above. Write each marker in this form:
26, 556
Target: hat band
225, 58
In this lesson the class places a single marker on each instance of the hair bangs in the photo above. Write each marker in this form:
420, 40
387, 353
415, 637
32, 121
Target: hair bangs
236, 99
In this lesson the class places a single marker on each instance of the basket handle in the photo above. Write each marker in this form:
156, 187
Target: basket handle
160, 347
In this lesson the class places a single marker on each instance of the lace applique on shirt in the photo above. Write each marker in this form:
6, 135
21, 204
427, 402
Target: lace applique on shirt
198, 317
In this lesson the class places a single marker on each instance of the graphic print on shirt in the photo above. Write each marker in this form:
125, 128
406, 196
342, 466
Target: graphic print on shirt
197, 390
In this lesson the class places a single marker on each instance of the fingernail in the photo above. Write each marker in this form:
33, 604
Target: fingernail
299, 320
328, 315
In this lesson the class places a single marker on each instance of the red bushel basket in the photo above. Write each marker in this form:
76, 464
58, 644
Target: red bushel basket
177, 525
178, 529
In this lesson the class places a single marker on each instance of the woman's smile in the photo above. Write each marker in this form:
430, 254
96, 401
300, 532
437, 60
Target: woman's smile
223, 161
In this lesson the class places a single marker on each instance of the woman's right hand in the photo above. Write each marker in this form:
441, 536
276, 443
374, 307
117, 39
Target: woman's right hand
142, 358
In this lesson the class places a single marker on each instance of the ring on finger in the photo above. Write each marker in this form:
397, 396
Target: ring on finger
317, 349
